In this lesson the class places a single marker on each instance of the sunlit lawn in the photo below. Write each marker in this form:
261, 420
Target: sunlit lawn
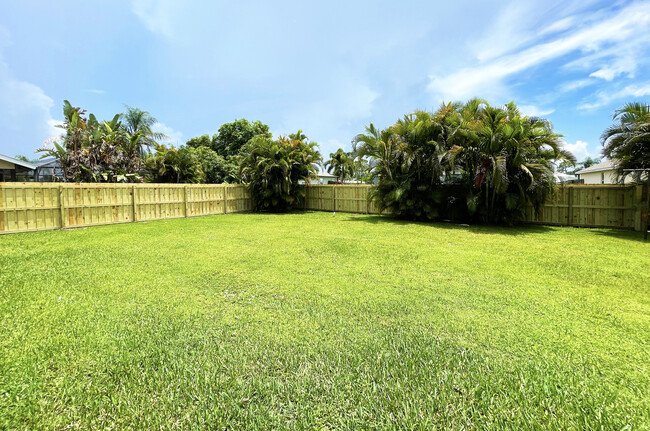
311, 320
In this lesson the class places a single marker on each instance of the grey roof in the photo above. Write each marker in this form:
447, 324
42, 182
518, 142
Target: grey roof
607, 165
52, 161
17, 162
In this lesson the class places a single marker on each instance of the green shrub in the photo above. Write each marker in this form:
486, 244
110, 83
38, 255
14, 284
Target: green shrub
273, 170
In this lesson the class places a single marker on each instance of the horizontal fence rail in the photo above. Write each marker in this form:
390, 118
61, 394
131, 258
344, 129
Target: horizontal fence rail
26, 207
614, 206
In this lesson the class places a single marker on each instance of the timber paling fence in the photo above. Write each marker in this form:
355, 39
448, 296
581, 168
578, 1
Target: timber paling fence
28, 207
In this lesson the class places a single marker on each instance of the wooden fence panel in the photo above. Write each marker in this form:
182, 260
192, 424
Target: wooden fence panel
40, 206
29, 208
238, 199
319, 198
575, 205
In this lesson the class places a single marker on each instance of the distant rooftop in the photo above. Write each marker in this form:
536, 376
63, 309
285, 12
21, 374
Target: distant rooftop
17, 162
607, 165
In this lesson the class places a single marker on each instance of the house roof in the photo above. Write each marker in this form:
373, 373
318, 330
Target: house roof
607, 165
17, 162
47, 162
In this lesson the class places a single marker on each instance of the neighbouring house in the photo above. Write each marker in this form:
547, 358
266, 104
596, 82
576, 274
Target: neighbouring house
12, 170
325, 177
48, 170
601, 173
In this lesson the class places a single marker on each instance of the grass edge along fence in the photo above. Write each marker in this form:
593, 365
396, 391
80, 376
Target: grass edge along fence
26, 207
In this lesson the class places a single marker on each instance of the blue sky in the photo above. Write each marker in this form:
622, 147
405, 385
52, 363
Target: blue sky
326, 67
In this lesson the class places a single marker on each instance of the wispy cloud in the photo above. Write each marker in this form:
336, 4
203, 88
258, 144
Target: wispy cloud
157, 15
95, 91
616, 30
175, 137
604, 97
535, 111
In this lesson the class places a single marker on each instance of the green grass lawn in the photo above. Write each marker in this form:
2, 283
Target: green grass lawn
313, 321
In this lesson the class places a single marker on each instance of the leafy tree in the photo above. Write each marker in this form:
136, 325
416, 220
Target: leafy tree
139, 121
233, 136
628, 140
93, 151
273, 170
201, 141
173, 165
340, 164
216, 168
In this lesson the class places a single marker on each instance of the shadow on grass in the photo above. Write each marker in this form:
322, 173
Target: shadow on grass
476, 228
521, 229
622, 234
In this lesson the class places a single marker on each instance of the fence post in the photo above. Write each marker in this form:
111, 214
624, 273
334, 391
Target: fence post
225, 199
647, 209
334, 198
304, 206
185, 200
61, 206
135, 212
569, 221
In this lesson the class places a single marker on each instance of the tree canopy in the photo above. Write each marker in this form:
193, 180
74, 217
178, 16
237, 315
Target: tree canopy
274, 169
627, 141
493, 161
233, 136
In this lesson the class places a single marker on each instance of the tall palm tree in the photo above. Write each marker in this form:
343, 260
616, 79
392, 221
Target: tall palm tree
138, 121
340, 164
628, 140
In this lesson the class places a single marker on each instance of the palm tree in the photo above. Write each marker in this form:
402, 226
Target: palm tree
628, 141
139, 121
274, 170
340, 164
504, 160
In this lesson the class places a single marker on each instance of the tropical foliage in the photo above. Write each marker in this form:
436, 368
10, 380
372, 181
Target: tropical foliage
628, 141
274, 169
341, 164
138, 121
464, 161
233, 136
174, 165
94, 151
216, 169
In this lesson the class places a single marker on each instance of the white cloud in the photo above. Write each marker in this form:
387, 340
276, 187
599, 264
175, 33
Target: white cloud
490, 76
580, 149
157, 15
575, 85
534, 111
175, 137
605, 97
95, 91
25, 117
558, 26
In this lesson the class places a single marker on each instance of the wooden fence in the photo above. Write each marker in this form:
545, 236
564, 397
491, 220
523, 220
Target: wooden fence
614, 206
28, 207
